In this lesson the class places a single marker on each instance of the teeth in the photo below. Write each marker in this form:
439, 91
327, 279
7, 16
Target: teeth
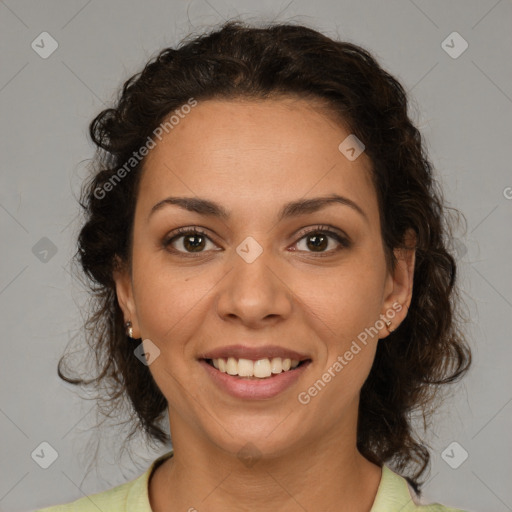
262, 369
276, 365
245, 368
232, 366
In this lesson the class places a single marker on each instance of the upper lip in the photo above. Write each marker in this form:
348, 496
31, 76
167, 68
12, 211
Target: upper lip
253, 353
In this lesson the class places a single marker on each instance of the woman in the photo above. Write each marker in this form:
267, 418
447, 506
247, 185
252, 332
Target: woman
267, 245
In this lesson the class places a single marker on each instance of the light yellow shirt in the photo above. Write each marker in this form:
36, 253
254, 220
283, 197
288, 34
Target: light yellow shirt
393, 495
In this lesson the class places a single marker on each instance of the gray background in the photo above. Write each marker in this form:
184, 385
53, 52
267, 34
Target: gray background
463, 106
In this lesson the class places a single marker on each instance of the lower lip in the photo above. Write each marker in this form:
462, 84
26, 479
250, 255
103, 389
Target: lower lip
255, 389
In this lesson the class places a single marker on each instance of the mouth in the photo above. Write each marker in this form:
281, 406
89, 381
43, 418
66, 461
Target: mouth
248, 369
251, 372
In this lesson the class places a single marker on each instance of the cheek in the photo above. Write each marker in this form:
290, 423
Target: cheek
347, 299
166, 298
348, 304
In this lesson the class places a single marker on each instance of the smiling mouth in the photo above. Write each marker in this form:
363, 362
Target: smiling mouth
261, 369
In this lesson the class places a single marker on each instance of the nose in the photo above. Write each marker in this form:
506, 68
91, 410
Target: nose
254, 294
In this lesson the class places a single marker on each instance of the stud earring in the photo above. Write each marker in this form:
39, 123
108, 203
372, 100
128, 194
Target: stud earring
388, 325
129, 329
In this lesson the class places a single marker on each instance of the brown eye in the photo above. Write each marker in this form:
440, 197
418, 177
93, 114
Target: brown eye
193, 241
317, 241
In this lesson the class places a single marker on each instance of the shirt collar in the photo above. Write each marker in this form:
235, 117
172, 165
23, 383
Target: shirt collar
393, 492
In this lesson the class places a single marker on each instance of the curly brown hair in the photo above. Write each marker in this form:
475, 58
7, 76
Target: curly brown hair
242, 61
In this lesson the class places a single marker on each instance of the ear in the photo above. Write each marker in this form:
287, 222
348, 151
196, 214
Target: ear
399, 285
124, 290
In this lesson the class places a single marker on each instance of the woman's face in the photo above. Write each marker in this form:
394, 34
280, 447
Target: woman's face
265, 282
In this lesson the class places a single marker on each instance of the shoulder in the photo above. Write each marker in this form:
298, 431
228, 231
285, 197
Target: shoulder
395, 494
128, 497
113, 500
436, 507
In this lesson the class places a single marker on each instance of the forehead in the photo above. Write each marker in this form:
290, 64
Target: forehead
249, 153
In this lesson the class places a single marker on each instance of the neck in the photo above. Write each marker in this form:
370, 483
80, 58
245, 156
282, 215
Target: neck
317, 476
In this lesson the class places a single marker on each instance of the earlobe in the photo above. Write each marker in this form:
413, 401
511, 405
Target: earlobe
124, 292
398, 300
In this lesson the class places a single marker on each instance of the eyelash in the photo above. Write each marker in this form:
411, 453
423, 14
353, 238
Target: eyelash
180, 232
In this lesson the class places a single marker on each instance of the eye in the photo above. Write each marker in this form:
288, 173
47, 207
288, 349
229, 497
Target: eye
193, 240
317, 240
190, 240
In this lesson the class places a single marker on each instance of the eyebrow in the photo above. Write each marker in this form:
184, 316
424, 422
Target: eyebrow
291, 209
